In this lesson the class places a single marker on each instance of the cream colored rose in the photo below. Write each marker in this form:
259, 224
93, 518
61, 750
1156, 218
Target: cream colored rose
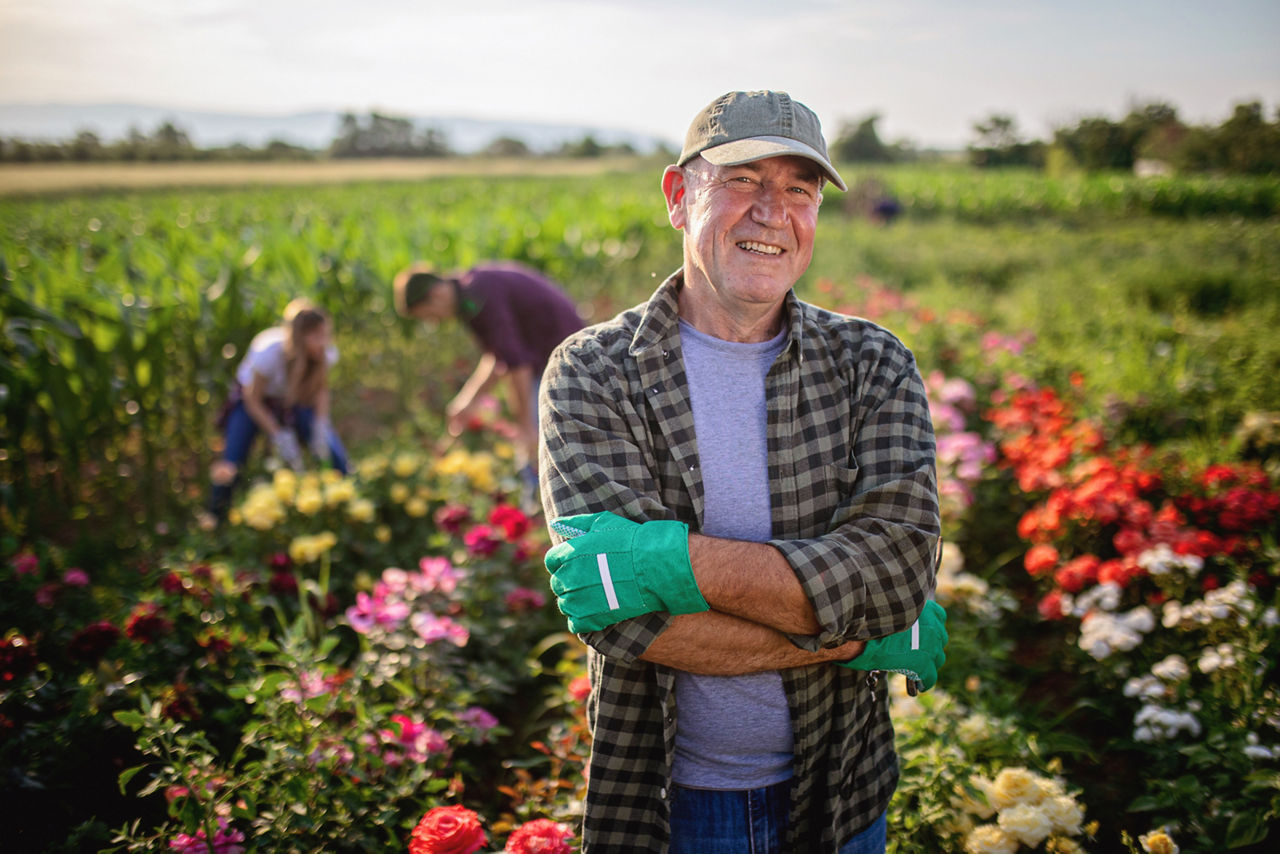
979, 804
989, 839
1026, 822
1065, 814
1015, 786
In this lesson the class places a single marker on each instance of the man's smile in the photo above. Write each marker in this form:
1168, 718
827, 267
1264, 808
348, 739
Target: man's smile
760, 248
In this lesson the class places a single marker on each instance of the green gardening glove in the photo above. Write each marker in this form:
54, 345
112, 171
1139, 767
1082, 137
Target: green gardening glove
612, 569
916, 652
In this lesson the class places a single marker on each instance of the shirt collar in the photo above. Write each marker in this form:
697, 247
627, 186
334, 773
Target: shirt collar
660, 321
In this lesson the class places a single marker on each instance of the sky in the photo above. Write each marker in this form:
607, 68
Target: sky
930, 68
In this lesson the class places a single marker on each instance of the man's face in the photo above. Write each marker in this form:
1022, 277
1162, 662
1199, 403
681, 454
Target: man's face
436, 305
748, 229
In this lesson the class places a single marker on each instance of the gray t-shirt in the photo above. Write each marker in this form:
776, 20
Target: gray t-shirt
733, 732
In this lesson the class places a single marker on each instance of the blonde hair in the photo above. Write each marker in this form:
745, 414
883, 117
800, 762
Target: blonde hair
306, 377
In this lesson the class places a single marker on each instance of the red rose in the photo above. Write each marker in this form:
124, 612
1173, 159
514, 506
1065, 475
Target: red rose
452, 517
1050, 607
448, 830
482, 541
540, 836
580, 688
1040, 559
146, 624
514, 523
92, 642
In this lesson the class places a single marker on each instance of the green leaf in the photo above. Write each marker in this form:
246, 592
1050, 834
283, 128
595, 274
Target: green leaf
1147, 803
1246, 828
327, 645
128, 774
133, 720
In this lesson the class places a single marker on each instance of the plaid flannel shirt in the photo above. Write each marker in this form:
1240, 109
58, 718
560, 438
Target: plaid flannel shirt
855, 512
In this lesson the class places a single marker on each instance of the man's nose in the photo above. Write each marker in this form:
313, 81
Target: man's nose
769, 209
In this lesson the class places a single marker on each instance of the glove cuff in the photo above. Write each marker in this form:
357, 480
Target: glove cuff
665, 549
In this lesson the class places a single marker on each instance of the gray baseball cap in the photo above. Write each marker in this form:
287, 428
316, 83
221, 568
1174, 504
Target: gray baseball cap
742, 127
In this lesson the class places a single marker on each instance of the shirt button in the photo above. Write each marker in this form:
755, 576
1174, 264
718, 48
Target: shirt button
662, 793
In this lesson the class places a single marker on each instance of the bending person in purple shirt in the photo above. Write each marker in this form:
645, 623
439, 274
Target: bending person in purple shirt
517, 315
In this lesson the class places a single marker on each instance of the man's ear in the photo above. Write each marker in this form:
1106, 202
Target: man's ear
674, 187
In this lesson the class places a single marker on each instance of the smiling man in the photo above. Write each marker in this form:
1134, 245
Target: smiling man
742, 492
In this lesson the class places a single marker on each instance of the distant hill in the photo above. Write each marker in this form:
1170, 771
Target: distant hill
315, 129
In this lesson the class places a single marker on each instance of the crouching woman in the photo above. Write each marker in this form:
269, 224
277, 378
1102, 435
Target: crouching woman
281, 388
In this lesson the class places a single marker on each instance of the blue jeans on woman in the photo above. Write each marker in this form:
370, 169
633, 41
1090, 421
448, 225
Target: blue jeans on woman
239, 432
712, 821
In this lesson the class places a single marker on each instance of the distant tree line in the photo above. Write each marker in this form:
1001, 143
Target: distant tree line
168, 143
376, 135
1246, 143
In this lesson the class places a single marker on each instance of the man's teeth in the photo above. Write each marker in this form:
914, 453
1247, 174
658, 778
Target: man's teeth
764, 248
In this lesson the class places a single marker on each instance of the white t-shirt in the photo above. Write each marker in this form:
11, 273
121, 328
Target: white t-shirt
266, 359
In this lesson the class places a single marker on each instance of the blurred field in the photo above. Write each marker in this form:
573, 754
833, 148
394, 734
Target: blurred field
39, 178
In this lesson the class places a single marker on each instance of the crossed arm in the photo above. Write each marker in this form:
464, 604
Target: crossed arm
744, 631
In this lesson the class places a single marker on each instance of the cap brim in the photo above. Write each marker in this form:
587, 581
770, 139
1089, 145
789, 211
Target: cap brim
760, 147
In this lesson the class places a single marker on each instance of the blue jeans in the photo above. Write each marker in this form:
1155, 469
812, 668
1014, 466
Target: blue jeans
241, 430
710, 821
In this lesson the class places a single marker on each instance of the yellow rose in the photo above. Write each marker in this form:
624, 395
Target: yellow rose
451, 463
372, 468
1027, 823
415, 507
406, 465
309, 481
360, 510
399, 492
989, 839
300, 549
339, 492
1158, 842
330, 476
284, 483
309, 502
1014, 786
504, 451
234, 517
261, 509
382, 534
1063, 845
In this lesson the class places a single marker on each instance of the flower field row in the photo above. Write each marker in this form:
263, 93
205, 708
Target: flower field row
285, 691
